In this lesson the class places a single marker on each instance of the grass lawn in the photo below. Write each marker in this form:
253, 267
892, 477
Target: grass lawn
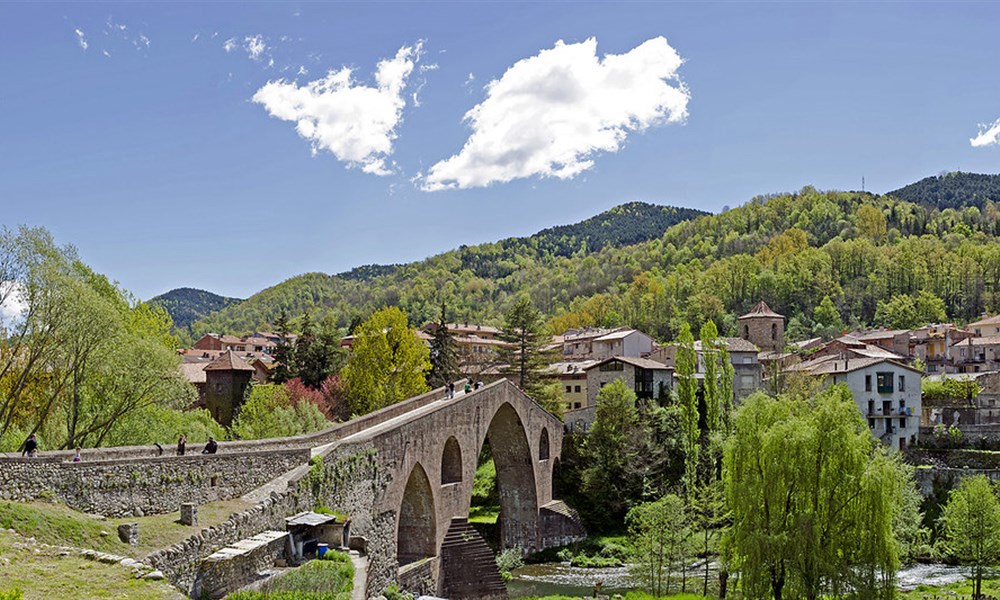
59, 525
955, 591
41, 573
484, 514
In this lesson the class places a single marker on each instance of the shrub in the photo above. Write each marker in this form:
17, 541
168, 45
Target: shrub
329, 579
13, 594
510, 559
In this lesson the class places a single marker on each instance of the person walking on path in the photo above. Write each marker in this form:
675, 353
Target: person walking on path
451, 389
211, 447
30, 447
181, 443
76, 455
468, 387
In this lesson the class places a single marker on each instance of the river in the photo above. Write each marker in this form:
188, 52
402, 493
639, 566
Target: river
561, 578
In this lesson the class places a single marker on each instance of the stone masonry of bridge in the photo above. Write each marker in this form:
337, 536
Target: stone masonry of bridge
404, 475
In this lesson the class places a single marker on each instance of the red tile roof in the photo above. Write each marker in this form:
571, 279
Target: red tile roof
228, 362
761, 310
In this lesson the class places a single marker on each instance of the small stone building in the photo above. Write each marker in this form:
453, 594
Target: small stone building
763, 328
648, 378
226, 380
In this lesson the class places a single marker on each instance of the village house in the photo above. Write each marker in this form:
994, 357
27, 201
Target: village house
253, 344
600, 343
743, 356
985, 327
573, 379
648, 378
887, 393
977, 354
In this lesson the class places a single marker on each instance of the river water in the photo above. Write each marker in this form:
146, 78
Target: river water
562, 578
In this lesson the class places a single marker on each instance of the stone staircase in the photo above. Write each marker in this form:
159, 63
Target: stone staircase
468, 567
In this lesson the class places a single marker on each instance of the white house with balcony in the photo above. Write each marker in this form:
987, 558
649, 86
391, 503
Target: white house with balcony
886, 391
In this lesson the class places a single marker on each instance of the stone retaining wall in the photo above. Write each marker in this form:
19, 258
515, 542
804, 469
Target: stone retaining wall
946, 478
127, 487
236, 566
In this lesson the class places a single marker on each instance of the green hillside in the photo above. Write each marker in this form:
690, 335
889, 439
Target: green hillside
187, 305
357, 292
952, 190
792, 250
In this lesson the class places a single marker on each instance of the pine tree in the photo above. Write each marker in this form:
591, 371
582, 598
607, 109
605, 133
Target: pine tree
524, 356
444, 355
284, 353
321, 356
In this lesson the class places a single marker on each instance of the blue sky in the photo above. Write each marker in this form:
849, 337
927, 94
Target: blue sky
170, 161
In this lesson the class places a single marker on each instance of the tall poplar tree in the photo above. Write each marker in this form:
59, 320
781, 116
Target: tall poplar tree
686, 365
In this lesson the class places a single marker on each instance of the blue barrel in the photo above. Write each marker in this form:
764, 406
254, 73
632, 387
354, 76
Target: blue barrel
321, 550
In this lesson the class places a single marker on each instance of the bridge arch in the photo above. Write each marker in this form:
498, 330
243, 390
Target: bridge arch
416, 534
451, 462
515, 477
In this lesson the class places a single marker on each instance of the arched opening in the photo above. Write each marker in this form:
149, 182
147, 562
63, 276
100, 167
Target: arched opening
451, 462
416, 536
556, 478
774, 331
746, 332
505, 484
543, 445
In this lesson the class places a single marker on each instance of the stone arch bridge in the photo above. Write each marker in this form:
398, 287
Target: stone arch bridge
404, 475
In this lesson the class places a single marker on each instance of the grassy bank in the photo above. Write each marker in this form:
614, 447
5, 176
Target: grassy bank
58, 525
43, 573
628, 596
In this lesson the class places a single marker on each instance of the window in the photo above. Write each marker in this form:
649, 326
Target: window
902, 423
569, 389
746, 381
871, 406
612, 366
746, 332
748, 360
576, 405
868, 383
576, 389
774, 331
902, 383
871, 423
884, 382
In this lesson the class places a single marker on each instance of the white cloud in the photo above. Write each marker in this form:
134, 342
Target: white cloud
195, 38
255, 46
353, 121
229, 44
106, 53
81, 39
989, 135
549, 114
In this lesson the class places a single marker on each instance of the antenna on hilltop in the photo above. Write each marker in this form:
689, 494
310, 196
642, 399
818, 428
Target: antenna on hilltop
862, 184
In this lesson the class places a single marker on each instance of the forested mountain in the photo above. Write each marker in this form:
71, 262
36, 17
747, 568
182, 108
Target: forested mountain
952, 190
187, 305
792, 250
622, 225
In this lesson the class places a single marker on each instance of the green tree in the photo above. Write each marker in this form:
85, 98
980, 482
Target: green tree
269, 412
317, 357
899, 312
710, 362
524, 356
826, 317
687, 395
284, 352
610, 480
387, 362
659, 534
444, 354
972, 527
813, 499
929, 308
871, 222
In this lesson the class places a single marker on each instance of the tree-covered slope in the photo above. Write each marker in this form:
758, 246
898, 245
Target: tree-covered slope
792, 250
187, 305
952, 190
356, 293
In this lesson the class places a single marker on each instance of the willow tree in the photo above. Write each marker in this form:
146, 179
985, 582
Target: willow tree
686, 365
812, 498
972, 527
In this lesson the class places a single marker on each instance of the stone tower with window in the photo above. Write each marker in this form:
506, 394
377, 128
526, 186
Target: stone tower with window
763, 328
